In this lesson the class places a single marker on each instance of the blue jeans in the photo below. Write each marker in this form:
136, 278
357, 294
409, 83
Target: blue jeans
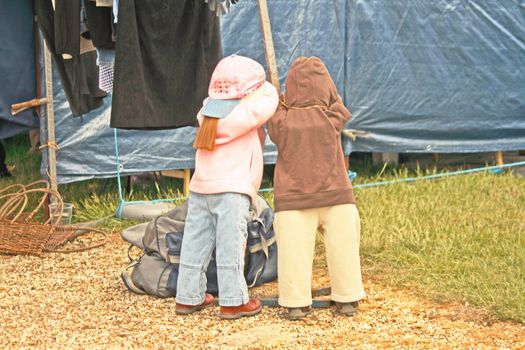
214, 221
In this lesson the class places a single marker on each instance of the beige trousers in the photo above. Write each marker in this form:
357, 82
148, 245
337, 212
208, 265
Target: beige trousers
296, 231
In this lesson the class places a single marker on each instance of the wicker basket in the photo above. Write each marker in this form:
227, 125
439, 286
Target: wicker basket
21, 233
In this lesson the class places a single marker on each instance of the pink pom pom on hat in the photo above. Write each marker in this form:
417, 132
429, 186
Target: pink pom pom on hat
234, 78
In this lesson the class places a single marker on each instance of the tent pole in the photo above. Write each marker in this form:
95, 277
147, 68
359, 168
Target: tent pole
50, 120
499, 158
269, 49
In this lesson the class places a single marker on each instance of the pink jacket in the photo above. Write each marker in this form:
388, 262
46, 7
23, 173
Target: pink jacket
236, 163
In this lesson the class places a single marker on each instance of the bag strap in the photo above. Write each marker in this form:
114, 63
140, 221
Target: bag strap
257, 275
172, 259
128, 282
129, 252
264, 244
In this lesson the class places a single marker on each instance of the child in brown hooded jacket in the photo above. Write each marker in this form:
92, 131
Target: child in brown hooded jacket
312, 191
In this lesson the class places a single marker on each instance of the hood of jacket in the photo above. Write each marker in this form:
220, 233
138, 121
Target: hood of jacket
309, 84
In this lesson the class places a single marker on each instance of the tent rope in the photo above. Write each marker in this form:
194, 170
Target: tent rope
351, 175
492, 169
50, 144
124, 202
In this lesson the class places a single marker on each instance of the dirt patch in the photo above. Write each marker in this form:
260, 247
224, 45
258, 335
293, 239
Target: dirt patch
268, 335
77, 301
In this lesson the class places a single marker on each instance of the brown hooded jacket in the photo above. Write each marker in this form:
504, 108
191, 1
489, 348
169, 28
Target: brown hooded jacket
310, 170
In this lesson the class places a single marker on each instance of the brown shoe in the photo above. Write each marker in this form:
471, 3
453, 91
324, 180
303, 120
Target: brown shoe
251, 308
347, 309
297, 313
189, 309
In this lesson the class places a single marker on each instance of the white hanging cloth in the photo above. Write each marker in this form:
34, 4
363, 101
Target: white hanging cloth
220, 7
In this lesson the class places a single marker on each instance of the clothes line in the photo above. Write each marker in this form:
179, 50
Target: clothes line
494, 169
352, 175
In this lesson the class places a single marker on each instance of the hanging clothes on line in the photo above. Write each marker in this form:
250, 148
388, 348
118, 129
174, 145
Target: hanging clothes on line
221, 7
100, 25
66, 27
166, 52
96, 24
103, 3
106, 65
101, 30
115, 11
77, 67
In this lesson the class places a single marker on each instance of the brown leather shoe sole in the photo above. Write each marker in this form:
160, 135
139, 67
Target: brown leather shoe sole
191, 310
187, 309
237, 315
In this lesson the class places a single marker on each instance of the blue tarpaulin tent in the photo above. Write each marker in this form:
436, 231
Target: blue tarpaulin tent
418, 76
17, 66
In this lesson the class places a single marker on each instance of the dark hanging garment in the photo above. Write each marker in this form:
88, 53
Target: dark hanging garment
66, 27
78, 75
100, 24
165, 54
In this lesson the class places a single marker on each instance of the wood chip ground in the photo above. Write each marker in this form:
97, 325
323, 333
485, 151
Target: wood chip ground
77, 301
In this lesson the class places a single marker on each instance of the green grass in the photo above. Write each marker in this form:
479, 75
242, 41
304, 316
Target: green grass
457, 239
92, 199
462, 239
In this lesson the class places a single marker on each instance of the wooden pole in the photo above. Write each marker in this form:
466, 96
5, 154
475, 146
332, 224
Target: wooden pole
22, 106
269, 49
499, 158
34, 134
186, 186
50, 120
184, 174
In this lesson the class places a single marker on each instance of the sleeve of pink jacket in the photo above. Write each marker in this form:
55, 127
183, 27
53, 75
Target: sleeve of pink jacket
248, 116
275, 125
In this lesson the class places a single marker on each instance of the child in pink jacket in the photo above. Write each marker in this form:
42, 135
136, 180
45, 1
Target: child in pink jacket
224, 185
